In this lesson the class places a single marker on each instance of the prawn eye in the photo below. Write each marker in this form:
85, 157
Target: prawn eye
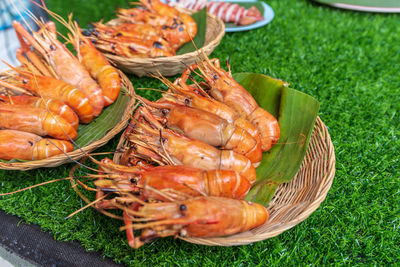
183, 233
133, 180
24, 81
157, 45
187, 101
131, 48
215, 76
182, 207
165, 112
52, 47
86, 32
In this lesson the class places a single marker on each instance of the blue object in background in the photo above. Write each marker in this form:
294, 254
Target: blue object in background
9, 12
14, 10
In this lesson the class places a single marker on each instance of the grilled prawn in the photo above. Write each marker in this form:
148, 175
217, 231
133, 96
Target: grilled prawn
194, 217
183, 179
191, 96
225, 89
35, 120
51, 88
52, 105
186, 151
28, 146
206, 127
61, 62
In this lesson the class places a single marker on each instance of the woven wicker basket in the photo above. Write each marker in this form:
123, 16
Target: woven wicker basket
79, 153
169, 66
293, 202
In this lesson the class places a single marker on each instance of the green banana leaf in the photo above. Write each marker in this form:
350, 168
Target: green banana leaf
296, 113
98, 128
200, 18
107, 120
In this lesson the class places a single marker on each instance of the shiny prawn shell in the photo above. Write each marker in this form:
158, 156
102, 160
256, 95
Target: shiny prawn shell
187, 180
186, 151
28, 146
225, 89
195, 217
64, 63
52, 105
97, 65
206, 127
35, 120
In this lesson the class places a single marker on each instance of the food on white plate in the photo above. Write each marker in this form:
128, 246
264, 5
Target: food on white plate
228, 12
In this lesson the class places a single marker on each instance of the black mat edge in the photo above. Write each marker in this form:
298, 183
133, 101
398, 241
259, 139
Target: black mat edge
33, 245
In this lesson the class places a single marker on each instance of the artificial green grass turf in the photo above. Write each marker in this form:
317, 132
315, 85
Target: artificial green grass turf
349, 62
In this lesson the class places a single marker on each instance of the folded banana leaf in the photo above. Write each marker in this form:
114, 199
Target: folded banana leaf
108, 119
200, 18
296, 113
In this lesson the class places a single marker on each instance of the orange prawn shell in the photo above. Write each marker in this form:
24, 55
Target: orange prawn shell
215, 216
64, 63
194, 182
215, 131
206, 127
225, 89
201, 155
99, 67
35, 120
187, 180
198, 217
180, 27
192, 152
53, 105
187, 95
132, 46
52, 88
28, 146
163, 9
80, 77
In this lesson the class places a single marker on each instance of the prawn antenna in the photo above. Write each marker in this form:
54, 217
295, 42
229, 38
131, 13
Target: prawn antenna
228, 63
19, 12
36, 185
170, 161
87, 206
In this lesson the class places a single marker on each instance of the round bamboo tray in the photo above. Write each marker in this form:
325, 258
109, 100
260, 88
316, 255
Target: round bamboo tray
79, 153
169, 66
293, 202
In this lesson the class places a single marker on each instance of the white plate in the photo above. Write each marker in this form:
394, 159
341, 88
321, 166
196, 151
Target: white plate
268, 16
380, 6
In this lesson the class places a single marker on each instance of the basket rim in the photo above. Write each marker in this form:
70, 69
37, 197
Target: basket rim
176, 58
78, 153
237, 239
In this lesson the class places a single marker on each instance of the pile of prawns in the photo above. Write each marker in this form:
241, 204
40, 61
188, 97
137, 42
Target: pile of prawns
52, 91
152, 30
190, 160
